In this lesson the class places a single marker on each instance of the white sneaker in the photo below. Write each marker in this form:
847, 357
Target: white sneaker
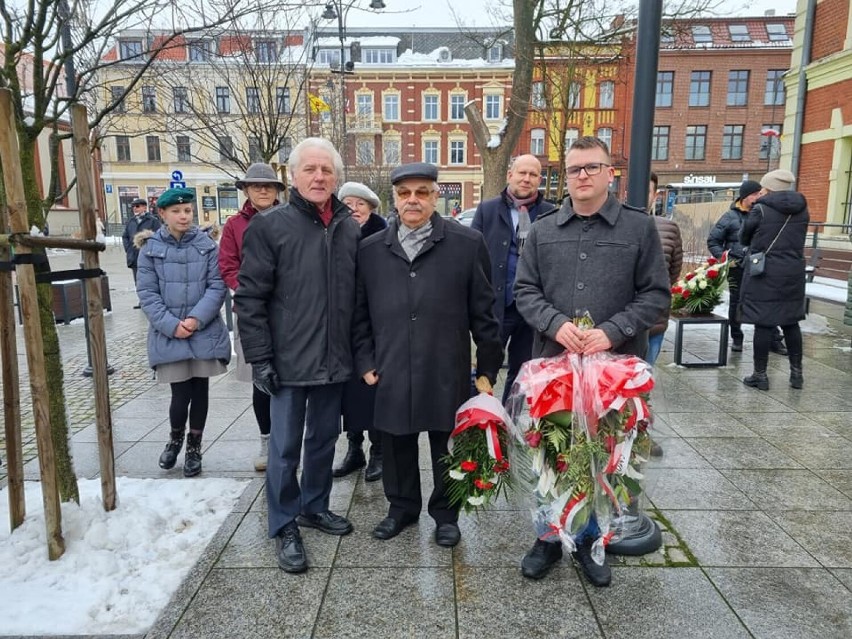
263, 455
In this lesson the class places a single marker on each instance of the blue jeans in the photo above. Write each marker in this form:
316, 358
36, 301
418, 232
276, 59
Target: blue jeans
655, 343
312, 411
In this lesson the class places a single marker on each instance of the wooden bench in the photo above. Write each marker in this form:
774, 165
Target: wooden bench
826, 275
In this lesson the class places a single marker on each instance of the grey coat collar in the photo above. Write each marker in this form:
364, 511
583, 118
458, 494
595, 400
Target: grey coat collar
610, 211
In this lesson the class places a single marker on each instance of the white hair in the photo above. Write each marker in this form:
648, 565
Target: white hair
295, 159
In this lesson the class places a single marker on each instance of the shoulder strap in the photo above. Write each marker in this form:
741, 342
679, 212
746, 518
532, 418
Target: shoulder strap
766, 252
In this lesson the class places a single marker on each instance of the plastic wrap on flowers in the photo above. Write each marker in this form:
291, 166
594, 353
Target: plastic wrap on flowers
580, 433
477, 462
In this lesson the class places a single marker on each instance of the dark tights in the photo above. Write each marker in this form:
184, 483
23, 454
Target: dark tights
763, 341
260, 402
189, 398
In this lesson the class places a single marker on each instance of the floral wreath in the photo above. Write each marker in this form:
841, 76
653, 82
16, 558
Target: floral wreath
700, 290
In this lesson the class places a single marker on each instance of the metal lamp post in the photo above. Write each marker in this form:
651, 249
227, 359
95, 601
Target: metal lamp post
338, 9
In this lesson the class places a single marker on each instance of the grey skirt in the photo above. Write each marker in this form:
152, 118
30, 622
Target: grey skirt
175, 372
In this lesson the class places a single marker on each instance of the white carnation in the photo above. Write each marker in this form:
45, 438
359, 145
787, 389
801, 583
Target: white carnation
457, 475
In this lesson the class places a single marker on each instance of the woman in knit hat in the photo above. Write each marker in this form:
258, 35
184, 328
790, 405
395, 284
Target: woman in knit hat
358, 398
777, 227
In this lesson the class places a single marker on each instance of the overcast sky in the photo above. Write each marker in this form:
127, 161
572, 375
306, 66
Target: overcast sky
436, 13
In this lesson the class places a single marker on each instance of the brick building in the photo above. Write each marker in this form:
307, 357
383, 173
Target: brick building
823, 160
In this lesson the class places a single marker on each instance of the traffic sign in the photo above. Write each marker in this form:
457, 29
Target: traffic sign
177, 176
177, 185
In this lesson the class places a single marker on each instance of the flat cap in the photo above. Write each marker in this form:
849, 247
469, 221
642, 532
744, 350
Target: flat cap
139, 202
357, 189
416, 170
175, 196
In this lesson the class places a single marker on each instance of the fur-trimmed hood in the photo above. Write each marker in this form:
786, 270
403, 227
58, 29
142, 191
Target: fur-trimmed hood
212, 230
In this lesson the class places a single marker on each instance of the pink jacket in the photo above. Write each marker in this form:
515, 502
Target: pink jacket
231, 244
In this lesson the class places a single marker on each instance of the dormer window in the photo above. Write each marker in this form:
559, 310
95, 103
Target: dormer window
701, 33
266, 51
198, 50
130, 49
739, 33
667, 36
444, 55
495, 52
378, 56
331, 57
777, 32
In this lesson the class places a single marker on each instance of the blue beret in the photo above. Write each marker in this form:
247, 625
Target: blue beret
417, 170
175, 196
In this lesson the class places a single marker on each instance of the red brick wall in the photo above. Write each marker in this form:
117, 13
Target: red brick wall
822, 101
829, 27
815, 163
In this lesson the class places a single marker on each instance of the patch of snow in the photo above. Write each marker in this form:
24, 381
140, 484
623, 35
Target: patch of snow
495, 141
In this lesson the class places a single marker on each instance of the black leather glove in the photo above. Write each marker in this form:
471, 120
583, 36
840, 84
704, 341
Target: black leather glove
264, 377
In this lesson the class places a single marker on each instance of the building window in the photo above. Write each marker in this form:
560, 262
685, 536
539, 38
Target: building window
379, 56
457, 107
430, 107
456, 152
365, 152
130, 49
284, 151
495, 52
739, 33
184, 153
696, 141
391, 150
538, 99
701, 33
537, 141
606, 95
492, 107
699, 89
223, 100
254, 149
117, 98
774, 94
152, 143
122, 148
391, 107
265, 51
732, 142
571, 136
282, 100
331, 57
252, 100
777, 32
364, 105
660, 144
149, 100
226, 148
605, 136
199, 51
667, 35
181, 100
737, 88
665, 88
430, 151
575, 92
770, 141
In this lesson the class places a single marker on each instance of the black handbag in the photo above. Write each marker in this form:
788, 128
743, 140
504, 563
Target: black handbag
757, 261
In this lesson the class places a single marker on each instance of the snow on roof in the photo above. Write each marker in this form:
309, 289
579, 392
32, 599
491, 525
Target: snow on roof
370, 41
411, 59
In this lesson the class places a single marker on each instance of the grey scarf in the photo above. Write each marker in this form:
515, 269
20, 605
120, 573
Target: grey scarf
412, 240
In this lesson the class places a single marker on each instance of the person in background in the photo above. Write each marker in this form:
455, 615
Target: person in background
504, 222
181, 292
724, 236
359, 398
261, 187
777, 226
295, 300
142, 220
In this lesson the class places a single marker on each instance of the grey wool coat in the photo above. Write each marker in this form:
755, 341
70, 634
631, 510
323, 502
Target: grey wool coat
610, 265
414, 321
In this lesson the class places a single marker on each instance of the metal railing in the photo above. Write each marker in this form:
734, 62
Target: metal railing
819, 227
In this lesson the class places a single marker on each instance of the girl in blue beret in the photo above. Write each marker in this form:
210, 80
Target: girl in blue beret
181, 292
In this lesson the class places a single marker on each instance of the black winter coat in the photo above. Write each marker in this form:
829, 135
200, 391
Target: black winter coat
725, 235
146, 222
776, 298
414, 321
296, 292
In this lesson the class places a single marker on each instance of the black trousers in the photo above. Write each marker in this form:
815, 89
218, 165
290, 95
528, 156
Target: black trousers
401, 477
735, 280
765, 335
519, 336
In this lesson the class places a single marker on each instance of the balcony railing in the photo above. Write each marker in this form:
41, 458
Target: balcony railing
364, 123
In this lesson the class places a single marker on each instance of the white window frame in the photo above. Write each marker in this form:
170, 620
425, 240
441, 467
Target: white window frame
537, 141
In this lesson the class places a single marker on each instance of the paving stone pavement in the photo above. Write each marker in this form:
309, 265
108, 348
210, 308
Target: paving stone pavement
754, 495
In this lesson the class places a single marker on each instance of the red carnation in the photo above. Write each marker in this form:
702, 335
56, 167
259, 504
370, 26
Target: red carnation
688, 276
501, 466
686, 294
676, 290
533, 438
712, 274
469, 466
712, 260
561, 463
483, 485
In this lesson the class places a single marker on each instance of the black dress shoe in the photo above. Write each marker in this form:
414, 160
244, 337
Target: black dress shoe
598, 575
374, 469
327, 522
389, 527
447, 535
737, 346
540, 559
353, 461
290, 551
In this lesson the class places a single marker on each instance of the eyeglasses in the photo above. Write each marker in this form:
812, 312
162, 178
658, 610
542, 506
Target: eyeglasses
421, 194
591, 169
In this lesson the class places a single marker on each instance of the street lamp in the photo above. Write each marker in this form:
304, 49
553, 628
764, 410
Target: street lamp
338, 9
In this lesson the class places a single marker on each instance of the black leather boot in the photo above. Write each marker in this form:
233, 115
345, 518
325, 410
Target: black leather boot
353, 461
192, 461
797, 379
598, 575
758, 379
374, 467
168, 458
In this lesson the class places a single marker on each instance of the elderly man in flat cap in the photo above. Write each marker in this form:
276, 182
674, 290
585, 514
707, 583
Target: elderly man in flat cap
424, 288
142, 220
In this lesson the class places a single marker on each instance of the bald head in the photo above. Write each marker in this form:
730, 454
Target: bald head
524, 176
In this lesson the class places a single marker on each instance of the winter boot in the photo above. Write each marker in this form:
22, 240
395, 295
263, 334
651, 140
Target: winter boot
797, 379
192, 461
262, 455
758, 379
353, 461
168, 458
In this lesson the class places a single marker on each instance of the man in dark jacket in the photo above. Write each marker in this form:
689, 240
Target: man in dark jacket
596, 256
423, 290
724, 236
295, 301
142, 220
504, 222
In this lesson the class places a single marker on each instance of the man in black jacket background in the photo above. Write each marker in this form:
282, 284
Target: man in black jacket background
142, 220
